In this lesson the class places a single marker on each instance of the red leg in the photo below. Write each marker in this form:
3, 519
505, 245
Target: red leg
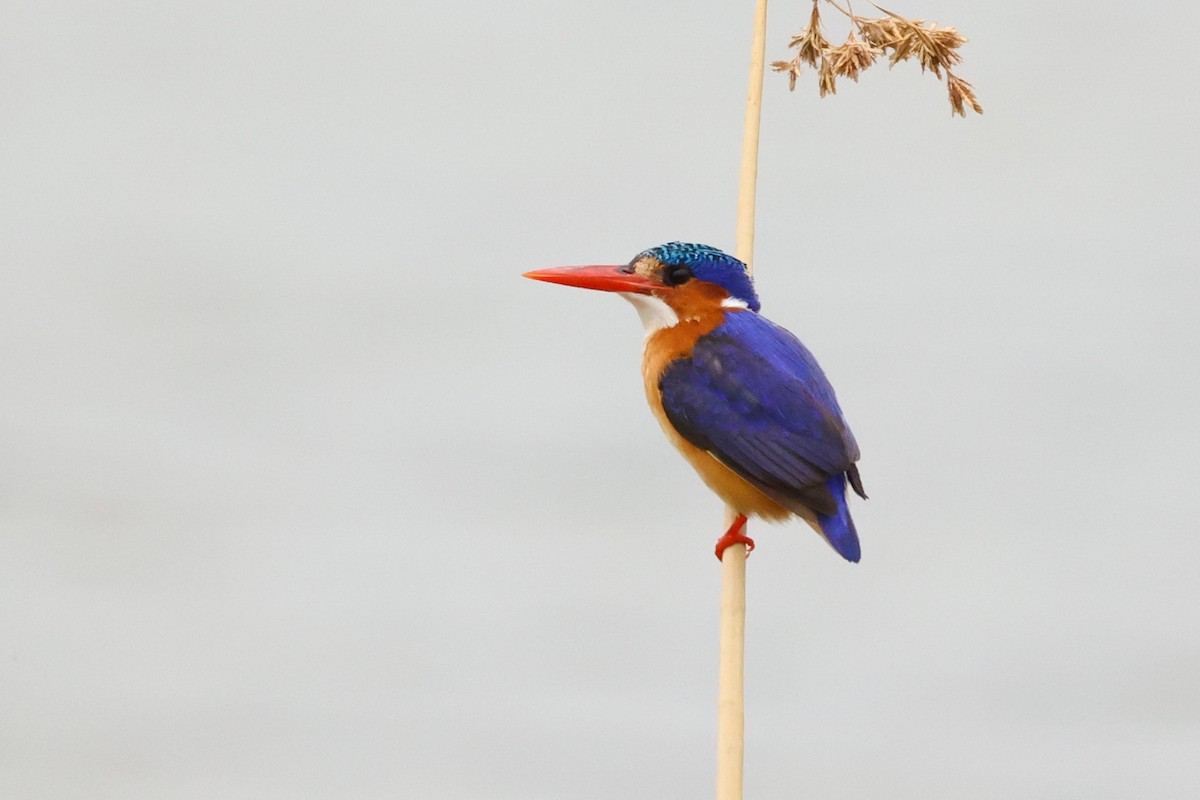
735, 536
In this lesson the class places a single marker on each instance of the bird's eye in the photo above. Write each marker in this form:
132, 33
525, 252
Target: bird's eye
675, 274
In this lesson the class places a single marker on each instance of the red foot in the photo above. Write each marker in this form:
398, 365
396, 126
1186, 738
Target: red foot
735, 536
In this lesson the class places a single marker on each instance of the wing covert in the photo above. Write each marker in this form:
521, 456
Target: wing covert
752, 395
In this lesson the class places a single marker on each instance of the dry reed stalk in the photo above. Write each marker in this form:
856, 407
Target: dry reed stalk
899, 38
731, 731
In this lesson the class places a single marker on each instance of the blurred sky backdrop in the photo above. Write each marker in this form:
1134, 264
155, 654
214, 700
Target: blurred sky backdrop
305, 493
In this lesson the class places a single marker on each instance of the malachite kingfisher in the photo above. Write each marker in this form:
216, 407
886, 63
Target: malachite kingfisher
740, 397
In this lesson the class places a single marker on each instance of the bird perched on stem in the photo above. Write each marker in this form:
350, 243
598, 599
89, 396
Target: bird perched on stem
740, 397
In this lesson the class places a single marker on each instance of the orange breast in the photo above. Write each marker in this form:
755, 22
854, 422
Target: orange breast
663, 347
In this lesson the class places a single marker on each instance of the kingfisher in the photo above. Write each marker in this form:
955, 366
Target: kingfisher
742, 399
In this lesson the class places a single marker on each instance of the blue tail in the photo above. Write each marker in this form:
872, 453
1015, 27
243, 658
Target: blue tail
838, 528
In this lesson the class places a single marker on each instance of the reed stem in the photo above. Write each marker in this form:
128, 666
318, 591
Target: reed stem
731, 732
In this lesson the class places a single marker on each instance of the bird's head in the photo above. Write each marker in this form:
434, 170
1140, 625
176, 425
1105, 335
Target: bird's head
667, 283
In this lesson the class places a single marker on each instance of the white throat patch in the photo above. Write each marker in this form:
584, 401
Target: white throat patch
655, 314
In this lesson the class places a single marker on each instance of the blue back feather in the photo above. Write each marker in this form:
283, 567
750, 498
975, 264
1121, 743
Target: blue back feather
754, 396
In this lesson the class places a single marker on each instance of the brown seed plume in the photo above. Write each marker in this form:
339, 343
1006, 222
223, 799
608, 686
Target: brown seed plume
899, 38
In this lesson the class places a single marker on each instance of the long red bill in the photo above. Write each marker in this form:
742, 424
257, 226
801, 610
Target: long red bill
604, 277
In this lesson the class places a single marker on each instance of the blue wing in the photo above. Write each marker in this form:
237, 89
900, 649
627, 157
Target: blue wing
752, 395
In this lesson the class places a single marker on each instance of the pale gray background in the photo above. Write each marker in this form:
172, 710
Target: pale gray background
306, 494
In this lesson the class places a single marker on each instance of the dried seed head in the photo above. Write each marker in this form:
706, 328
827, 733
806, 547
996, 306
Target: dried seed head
936, 49
852, 57
826, 79
897, 37
792, 68
811, 41
880, 32
947, 38
903, 47
961, 94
